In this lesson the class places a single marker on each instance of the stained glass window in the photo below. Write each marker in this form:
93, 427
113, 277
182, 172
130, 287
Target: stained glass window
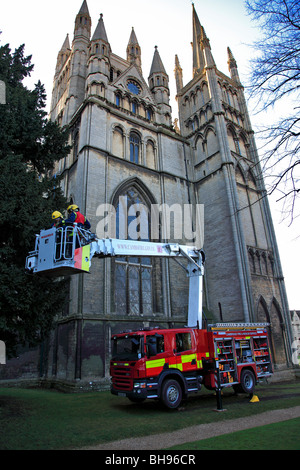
133, 87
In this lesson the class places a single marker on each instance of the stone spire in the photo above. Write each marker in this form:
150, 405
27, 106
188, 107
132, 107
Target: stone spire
206, 50
77, 71
100, 32
66, 44
232, 66
157, 65
198, 59
178, 75
99, 66
134, 50
83, 23
159, 86
63, 54
99, 42
84, 9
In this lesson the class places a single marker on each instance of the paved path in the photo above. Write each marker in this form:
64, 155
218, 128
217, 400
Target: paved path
199, 432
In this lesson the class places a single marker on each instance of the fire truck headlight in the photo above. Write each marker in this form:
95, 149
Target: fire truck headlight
139, 385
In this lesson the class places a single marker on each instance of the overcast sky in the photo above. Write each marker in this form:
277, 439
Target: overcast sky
43, 26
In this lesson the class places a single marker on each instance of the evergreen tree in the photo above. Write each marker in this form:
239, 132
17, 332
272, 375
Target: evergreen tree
29, 147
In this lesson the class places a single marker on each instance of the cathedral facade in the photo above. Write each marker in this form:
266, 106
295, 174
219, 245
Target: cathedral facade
125, 147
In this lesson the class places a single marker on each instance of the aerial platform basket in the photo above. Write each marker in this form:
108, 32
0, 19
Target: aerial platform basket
60, 252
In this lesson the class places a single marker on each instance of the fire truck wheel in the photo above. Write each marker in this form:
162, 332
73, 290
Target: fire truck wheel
171, 393
247, 381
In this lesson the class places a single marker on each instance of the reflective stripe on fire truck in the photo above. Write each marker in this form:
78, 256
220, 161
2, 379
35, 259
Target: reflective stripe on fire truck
176, 366
188, 358
183, 363
155, 363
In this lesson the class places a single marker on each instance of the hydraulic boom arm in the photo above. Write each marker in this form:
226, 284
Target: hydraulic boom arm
69, 250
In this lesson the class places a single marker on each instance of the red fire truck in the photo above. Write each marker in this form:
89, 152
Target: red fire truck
172, 364
165, 364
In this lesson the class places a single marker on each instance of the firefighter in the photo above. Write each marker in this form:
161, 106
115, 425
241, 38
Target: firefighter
75, 216
58, 220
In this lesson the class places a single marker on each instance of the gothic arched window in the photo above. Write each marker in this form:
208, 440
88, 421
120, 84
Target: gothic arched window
111, 74
135, 143
134, 107
149, 114
118, 142
133, 276
118, 99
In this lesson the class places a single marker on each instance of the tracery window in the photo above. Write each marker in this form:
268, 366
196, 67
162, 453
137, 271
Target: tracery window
135, 144
133, 275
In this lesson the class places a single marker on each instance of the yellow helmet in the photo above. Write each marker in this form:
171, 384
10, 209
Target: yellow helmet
72, 207
56, 215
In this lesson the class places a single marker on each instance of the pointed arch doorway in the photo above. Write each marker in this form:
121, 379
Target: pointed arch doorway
276, 329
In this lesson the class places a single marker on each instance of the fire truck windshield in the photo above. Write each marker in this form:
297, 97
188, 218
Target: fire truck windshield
127, 348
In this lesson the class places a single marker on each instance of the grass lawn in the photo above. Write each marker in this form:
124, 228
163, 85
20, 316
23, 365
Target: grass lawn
46, 419
276, 436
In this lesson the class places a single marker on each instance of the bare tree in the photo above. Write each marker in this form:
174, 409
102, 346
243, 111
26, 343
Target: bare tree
274, 83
